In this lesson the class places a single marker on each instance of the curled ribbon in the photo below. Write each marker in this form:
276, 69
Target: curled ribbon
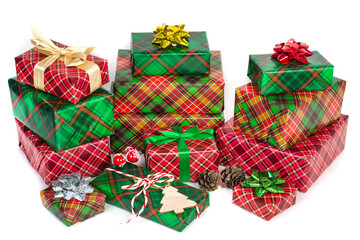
166, 36
71, 56
180, 137
264, 182
291, 50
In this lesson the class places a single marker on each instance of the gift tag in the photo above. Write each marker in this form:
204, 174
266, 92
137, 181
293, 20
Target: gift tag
175, 201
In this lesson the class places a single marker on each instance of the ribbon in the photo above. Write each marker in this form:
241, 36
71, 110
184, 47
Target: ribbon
166, 36
70, 186
291, 50
180, 137
264, 182
71, 56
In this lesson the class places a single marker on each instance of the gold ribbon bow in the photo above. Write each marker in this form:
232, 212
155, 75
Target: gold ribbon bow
166, 36
71, 56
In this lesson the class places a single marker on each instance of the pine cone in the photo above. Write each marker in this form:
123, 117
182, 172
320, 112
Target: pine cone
209, 180
232, 176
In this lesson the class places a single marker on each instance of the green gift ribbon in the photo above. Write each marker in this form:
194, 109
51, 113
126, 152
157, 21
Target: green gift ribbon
264, 182
180, 137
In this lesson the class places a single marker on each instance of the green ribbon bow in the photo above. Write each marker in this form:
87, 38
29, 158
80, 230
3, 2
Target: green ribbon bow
180, 137
264, 182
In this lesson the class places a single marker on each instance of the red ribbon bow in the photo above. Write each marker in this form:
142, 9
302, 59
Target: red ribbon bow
291, 50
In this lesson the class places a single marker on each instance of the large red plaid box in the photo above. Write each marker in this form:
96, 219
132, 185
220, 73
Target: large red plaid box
302, 163
267, 206
284, 119
73, 211
203, 153
69, 83
89, 159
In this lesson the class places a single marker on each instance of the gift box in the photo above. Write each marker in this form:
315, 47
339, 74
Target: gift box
73, 211
168, 94
165, 152
272, 77
110, 184
149, 59
268, 205
68, 83
301, 164
61, 124
129, 128
89, 159
282, 120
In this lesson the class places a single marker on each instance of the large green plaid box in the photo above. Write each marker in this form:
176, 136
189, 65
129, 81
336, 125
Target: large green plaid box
272, 77
168, 93
148, 59
63, 125
110, 184
129, 127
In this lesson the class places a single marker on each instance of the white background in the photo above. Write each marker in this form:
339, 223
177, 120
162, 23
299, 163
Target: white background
329, 210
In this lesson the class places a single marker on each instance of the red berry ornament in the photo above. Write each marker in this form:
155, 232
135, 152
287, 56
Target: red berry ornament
132, 156
119, 160
129, 149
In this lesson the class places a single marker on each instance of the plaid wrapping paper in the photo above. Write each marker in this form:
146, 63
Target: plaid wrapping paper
267, 206
272, 77
89, 159
68, 83
165, 158
61, 124
301, 164
110, 184
161, 94
73, 211
282, 120
148, 59
129, 128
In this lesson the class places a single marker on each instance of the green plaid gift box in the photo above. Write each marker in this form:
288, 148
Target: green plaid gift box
272, 77
129, 127
63, 125
148, 59
73, 211
168, 94
282, 120
110, 184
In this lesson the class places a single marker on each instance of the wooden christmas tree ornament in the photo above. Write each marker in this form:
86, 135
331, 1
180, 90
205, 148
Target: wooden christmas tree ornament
175, 201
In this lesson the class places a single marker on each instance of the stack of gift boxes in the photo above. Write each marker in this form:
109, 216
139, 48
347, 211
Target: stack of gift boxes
288, 120
63, 117
157, 87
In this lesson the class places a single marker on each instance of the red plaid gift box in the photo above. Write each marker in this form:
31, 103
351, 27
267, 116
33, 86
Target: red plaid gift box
69, 83
89, 159
165, 157
302, 163
267, 206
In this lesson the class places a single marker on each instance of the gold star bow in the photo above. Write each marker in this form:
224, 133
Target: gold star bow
166, 36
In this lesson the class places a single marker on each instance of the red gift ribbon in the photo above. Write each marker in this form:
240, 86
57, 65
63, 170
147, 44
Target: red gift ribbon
291, 50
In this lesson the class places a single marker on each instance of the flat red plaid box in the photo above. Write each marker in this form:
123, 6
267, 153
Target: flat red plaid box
302, 163
267, 206
284, 119
165, 151
69, 83
89, 159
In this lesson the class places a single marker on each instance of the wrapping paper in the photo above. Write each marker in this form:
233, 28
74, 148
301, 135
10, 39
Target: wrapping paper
61, 124
268, 205
73, 211
272, 77
301, 164
165, 158
282, 120
110, 184
148, 59
68, 83
129, 128
168, 94
89, 159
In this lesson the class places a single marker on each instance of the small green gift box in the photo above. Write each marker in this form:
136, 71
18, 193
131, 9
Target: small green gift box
149, 59
272, 77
